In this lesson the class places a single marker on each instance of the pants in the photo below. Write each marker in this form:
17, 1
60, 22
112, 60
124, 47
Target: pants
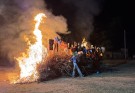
79, 71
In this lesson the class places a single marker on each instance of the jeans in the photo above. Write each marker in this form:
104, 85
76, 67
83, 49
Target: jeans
79, 71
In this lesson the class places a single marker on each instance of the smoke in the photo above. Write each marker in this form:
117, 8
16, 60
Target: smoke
85, 12
17, 22
80, 13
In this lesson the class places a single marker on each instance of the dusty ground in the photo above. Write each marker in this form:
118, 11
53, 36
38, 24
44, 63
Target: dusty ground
120, 80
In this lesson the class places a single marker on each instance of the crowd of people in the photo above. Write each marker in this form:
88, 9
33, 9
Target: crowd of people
93, 54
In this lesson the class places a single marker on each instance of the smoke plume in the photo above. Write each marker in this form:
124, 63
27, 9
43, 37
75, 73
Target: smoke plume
85, 12
79, 13
17, 22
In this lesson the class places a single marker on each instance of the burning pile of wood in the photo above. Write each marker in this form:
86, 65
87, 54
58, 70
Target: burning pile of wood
59, 65
55, 66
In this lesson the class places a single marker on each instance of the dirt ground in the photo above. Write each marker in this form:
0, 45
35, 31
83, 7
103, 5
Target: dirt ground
120, 79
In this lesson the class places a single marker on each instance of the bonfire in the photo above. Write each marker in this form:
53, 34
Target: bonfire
35, 54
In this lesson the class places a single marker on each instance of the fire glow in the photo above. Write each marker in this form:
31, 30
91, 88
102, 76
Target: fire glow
28, 61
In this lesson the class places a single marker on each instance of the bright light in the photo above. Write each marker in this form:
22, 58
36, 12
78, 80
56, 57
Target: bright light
35, 53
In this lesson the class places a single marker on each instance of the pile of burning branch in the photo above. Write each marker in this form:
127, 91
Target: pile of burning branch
55, 66
58, 65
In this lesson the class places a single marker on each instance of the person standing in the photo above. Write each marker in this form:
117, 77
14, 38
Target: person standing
57, 41
74, 60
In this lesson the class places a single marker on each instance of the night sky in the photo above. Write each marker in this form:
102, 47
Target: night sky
110, 16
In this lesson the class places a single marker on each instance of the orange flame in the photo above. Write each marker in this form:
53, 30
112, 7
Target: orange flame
35, 54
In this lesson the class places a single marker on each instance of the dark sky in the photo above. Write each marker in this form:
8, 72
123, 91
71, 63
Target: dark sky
113, 16
123, 11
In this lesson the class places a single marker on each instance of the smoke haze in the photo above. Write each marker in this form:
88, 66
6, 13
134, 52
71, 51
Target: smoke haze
86, 10
79, 13
17, 22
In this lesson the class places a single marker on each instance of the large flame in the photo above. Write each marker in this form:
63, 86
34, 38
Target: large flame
35, 54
